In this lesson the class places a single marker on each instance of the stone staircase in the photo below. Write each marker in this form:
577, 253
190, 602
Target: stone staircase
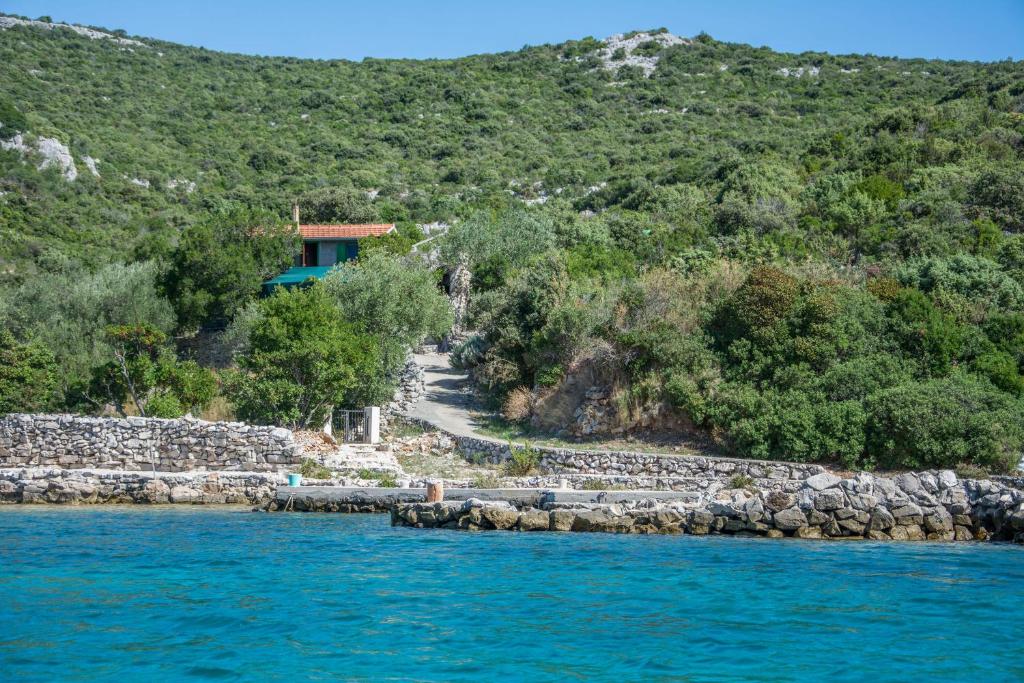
349, 460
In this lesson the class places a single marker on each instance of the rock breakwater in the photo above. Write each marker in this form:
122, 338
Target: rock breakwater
921, 506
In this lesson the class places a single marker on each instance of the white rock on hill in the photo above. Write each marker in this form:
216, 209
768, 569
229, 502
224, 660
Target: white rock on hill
90, 164
184, 183
91, 33
628, 45
799, 71
51, 150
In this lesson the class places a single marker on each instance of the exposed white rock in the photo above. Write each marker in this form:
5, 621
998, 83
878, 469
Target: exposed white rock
51, 150
188, 185
90, 164
799, 72
91, 33
141, 182
628, 45
372, 194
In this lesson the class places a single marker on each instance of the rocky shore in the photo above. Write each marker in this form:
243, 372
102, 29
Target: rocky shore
921, 506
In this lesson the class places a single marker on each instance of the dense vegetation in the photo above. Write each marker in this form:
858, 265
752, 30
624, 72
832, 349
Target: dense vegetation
827, 266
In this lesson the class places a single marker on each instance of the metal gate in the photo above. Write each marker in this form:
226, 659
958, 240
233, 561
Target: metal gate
350, 425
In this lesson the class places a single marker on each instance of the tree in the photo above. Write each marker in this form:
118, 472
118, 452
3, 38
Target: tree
396, 243
28, 376
144, 373
222, 260
301, 359
395, 300
69, 313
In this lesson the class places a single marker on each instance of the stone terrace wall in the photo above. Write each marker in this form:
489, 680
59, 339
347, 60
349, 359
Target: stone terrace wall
137, 443
627, 463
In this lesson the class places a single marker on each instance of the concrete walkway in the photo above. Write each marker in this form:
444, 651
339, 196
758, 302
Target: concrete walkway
447, 399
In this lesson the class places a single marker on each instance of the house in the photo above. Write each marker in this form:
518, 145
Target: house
323, 246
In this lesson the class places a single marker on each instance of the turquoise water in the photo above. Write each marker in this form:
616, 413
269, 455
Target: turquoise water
191, 594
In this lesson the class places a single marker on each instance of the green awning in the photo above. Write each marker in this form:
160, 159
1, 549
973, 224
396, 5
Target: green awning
295, 276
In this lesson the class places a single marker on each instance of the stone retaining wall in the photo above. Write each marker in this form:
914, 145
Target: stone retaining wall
912, 506
137, 443
556, 461
53, 485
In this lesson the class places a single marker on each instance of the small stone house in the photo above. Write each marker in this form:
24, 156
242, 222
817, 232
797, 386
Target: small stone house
324, 246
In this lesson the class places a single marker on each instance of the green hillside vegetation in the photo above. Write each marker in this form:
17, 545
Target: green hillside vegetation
804, 256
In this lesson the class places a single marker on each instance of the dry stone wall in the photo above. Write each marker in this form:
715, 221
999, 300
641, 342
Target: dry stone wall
54, 485
568, 461
136, 443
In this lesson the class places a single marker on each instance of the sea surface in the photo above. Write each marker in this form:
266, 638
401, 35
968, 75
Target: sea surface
167, 594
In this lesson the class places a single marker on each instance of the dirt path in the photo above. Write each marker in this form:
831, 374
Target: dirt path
447, 399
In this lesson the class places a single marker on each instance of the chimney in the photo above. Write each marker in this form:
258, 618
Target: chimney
295, 214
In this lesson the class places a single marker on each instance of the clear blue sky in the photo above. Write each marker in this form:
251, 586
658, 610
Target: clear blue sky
950, 29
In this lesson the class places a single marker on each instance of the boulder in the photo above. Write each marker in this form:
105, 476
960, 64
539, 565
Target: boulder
881, 519
184, 494
852, 526
908, 514
939, 521
818, 518
863, 501
500, 517
776, 501
790, 519
807, 532
829, 499
534, 520
820, 482
561, 520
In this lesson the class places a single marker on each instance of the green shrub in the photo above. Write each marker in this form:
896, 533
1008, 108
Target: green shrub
311, 469
144, 373
28, 376
523, 461
942, 422
740, 481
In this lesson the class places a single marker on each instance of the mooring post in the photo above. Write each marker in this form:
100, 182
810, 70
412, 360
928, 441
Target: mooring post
435, 491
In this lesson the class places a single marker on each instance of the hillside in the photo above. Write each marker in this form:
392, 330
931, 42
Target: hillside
798, 257
156, 132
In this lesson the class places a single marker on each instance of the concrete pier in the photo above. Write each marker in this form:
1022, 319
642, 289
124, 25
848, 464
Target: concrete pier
374, 499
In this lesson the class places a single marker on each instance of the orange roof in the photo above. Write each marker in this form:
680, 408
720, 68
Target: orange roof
350, 231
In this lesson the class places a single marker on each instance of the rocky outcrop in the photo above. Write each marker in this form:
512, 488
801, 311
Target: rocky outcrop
91, 33
934, 506
621, 50
458, 294
50, 151
52, 485
137, 443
